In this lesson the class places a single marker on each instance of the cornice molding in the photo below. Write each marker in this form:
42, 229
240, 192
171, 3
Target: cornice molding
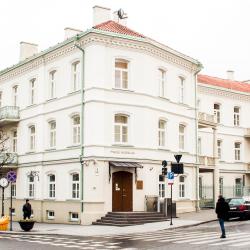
90, 38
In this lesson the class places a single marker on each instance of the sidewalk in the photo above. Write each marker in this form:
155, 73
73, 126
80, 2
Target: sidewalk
186, 219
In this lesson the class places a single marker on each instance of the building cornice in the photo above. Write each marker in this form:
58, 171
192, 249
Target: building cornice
107, 38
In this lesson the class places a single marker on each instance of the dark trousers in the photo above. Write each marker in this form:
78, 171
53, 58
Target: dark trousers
222, 227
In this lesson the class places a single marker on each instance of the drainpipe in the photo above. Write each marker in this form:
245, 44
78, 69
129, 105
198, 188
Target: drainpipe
197, 207
81, 123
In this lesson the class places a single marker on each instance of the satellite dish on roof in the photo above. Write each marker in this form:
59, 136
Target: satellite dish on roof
121, 14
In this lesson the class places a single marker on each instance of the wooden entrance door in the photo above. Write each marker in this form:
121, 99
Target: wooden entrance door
122, 199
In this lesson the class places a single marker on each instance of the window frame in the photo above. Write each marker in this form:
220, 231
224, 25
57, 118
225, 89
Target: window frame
162, 187
31, 187
219, 149
182, 136
14, 141
182, 187
52, 84
162, 82
75, 186
237, 151
162, 133
32, 138
51, 186
121, 128
121, 71
217, 112
76, 75
50, 217
13, 189
52, 134
76, 130
74, 219
237, 116
32, 83
15, 95
182, 81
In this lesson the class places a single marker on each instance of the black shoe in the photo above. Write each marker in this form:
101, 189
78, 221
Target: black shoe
223, 236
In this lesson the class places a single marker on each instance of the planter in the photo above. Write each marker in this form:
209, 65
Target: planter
26, 225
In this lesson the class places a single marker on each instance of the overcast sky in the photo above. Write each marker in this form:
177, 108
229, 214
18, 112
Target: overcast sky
216, 32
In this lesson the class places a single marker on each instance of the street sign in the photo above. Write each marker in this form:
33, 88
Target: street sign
11, 176
170, 175
170, 181
177, 158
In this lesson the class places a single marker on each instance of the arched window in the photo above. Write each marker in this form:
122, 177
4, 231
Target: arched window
217, 112
182, 89
162, 82
162, 133
32, 140
121, 128
31, 187
121, 74
52, 134
52, 84
236, 116
76, 129
75, 69
32, 90
182, 191
181, 136
75, 186
52, 186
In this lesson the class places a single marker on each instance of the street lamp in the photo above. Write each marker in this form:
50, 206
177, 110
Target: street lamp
33, 174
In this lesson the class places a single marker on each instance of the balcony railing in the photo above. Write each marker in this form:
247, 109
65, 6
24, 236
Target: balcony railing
9, 114
206, 160
206, 120
247, 133
8, 159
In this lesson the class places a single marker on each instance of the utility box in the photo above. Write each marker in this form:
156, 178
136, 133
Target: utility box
165, 208
151, 203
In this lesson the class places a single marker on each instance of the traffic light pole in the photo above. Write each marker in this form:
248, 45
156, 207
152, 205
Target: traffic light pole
171, 205
2, 201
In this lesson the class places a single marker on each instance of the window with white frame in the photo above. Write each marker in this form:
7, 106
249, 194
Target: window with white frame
162, 82
31, 186
52, 134
15, 95
181, 136
75, 186
50, 215
74, 216
219, 145
162, 133
237, 149
32, 132
1, 98
182, 186
121, 74
217, 112
162, 186
121, 129
76, 129
52, 84
32, 91
221, 185
52, 186
236, 116
199, 146
13, 189
182, 89
14, 141
75, 76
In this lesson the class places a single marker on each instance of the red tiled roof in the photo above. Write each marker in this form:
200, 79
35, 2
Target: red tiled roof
223, 83
115, 27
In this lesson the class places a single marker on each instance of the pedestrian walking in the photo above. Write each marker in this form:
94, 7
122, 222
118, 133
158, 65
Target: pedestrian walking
26, 210
221, 210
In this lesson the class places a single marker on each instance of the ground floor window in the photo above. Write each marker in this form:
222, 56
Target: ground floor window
182, 187
162, 186
50, 215
74, 216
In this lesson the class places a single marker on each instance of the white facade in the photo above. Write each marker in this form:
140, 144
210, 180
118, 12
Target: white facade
48, 131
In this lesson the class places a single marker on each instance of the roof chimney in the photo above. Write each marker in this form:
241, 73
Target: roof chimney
101, 15
230, 75
27, 50
70, 32
122, 21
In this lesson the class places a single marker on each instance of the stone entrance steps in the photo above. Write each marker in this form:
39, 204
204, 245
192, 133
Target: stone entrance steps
129, 218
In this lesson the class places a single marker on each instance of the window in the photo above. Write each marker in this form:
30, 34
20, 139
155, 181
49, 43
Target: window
121, 129
74, 216
14, 141
32, 91
31, 186
52, 84
162, 82
199, 146
221, 185
162, 133
181, 186
237, 146
181, 136
238, 187
182, 89
52, 186
219, 143
217, 112
162, 186
32, 138
121, 74
52, 134
15, 95
13, 189
50, 215
236, 116
76, 129
1, 98
76, 76
75, 186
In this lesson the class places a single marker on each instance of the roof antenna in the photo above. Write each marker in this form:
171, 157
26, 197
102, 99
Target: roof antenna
121, 14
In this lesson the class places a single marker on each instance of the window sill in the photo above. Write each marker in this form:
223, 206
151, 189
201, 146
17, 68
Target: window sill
51, 99
30, 152
75, 200
50, 199
164, 98
183, 199
32, 105
163, 148
122, 145
50, 218
50, 149
183, 151
74, 92
74, 146
123, 90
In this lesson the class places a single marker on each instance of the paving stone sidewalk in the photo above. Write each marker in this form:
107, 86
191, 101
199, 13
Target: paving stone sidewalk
183, 220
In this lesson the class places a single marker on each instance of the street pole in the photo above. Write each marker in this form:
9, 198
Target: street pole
2, 201
10, 206
171, 214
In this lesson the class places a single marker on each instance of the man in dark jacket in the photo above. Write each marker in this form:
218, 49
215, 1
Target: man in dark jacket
221, 210
26, 210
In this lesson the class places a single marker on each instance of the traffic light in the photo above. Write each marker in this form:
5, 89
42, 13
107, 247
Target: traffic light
164, 169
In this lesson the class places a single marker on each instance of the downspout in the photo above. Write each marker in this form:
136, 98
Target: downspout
82, 123
197, 207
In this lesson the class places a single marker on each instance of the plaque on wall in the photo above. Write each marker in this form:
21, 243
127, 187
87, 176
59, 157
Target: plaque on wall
139, 184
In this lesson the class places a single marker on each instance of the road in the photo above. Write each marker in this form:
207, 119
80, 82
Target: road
206, 236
